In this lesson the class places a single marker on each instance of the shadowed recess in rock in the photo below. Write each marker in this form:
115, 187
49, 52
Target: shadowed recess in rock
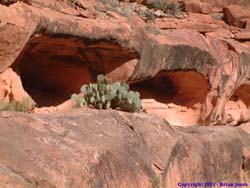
184, 88
243, 94
177, 96
54, 67
237, 108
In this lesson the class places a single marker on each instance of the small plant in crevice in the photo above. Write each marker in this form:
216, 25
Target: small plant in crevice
156, 181
118, 7
74, 2
14, 105
103, 95
111, 2
153, 30
171, 8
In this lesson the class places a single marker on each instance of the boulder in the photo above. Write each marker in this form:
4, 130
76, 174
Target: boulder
90, 148
243, 36
11, 88
236, 15
223, 3
197, 6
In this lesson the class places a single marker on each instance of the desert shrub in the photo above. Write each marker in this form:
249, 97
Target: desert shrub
156, 181
111, 2
103, 95
75, 2
153, 30
171, 8
14, 105
118, 7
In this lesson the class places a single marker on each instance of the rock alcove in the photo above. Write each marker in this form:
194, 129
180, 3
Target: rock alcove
242, 94
53, 67
178, 95
185, 88
237, 108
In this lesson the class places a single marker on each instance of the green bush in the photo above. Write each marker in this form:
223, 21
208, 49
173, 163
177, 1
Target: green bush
75, 2
118, 7
14, 105
156, 182
103, 95
170, 8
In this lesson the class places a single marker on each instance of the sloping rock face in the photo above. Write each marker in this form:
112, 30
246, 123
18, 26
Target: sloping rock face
93, 149
57, 46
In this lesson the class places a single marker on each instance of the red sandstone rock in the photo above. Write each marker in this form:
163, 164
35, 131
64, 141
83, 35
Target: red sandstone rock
11, 87
236, 15
191, 71
223, 3
247, 43
90, 148
176, 115
242, 36
221, 33
195, 22
197, 6
56, 50
247, 27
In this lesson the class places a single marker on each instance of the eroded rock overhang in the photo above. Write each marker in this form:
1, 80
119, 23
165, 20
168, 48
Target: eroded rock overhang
144, 52
52, 67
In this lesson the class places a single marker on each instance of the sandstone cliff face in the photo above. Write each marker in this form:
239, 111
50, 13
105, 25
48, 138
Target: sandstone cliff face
93, 149
200, 64
189, 71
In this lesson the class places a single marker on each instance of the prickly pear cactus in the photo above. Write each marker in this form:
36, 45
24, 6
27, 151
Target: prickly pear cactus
102, 95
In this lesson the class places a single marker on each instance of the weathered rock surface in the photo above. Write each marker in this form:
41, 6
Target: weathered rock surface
57, 46
191, 71
243, 36
110, 149
222, 3
197, 6
11, 87
236, 15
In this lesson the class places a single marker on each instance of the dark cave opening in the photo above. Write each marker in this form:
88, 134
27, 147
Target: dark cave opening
52, 68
